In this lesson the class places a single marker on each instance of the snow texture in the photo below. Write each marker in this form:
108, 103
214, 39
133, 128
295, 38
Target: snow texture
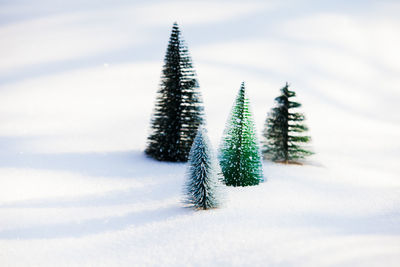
77, 87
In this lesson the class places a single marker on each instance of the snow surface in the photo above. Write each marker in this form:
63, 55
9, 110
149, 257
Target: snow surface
77, 86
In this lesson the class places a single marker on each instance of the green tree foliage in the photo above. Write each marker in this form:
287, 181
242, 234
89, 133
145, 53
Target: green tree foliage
240, 157
284, 131
179, 110
202, 185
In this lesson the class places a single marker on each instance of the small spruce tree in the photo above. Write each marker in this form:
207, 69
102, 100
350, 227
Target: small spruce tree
283, 133
202, 187
179, 110
240, 157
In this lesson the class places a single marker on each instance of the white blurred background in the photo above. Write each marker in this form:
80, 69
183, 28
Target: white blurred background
82, 76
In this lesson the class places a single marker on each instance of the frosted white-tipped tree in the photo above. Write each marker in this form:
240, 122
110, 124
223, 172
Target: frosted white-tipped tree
202, 188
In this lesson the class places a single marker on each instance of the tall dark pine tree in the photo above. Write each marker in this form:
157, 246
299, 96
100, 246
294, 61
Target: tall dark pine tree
179, 110
240, 156
202, 186
284, 131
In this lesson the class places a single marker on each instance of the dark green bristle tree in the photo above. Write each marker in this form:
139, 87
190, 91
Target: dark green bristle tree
202, 188
283, 135
239, 156
179, 110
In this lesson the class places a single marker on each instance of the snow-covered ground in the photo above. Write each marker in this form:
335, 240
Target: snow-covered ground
77, 86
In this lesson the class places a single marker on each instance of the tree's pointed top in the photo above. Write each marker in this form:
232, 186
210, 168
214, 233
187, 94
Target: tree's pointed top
285, 90
200, 132
175, 29
242, 88
175, 37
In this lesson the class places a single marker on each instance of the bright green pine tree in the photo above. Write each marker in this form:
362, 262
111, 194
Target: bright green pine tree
239, 156
179, 109
202, 188
283, 133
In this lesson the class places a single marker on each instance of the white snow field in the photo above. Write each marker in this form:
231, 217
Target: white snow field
78, 81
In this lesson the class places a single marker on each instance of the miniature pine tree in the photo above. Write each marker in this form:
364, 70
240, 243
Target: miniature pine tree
179, 110
283, 132
202, 185
240, 157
